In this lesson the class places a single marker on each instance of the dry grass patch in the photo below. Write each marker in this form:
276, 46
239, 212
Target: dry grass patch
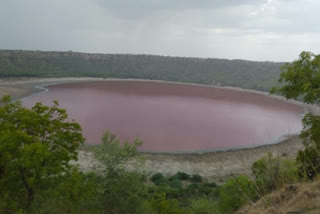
292, 199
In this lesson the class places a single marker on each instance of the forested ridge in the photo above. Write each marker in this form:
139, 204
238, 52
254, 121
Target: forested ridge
238, 73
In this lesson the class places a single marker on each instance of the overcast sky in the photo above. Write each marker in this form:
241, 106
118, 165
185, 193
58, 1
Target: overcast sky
264, 30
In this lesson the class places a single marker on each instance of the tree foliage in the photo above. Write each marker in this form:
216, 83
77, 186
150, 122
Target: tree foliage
301, 78
162, 205
36, 144
122, 187
309, 159
204, 206
73, 192
116, 156
239, 73
235, 193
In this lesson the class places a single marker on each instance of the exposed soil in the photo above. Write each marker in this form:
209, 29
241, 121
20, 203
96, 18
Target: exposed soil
216, 166
302, 198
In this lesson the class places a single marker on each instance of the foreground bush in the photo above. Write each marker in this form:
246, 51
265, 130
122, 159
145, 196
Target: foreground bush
235, 193
205, 206
272, 173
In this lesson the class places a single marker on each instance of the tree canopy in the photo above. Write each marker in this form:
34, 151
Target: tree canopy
36, 144
301, 79
238, 73
121, 188
115, 156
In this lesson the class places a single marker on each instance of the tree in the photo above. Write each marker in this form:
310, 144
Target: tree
35, 145
116, 156
301, 79
122, 189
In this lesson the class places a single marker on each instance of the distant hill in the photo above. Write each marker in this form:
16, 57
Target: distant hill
240, 73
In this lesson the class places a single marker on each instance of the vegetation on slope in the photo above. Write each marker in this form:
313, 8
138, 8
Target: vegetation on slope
240, 73
301, 198
300, 79
37, 144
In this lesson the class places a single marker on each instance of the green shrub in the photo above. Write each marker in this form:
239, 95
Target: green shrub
210, 185
161, 182
183, 176
175, 183
207, 188
162, 205
308, 163
156, 177
192, 188
235, 193
196, 178
204, 206
273, 172
173, 177
179, 175
308, 160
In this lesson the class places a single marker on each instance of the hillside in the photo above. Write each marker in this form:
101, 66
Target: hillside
239, 73
302, 198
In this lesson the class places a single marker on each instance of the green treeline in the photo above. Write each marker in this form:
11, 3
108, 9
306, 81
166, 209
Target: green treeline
239, 73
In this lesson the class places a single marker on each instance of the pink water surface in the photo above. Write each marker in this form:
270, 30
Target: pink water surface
174, 117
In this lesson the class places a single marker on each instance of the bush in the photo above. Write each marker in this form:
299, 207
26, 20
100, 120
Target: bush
156, 177
180, 176
210, 185
175, 183
207, 188
183, 176
174, 177
196, 178
308, 160
204, 206
273, 172
235, 193
162, 205
161, 182
192, 188
308, 163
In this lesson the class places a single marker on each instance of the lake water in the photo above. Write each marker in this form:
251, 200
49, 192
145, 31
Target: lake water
171, 117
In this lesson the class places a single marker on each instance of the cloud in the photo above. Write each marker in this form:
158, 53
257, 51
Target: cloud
141, 7
251, 29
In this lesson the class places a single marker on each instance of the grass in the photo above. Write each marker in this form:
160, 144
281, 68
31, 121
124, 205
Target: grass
301, 198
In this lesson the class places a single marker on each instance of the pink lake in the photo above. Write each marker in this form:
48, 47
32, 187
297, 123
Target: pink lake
171, 117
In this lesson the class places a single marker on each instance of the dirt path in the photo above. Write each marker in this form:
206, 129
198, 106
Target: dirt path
216, 166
